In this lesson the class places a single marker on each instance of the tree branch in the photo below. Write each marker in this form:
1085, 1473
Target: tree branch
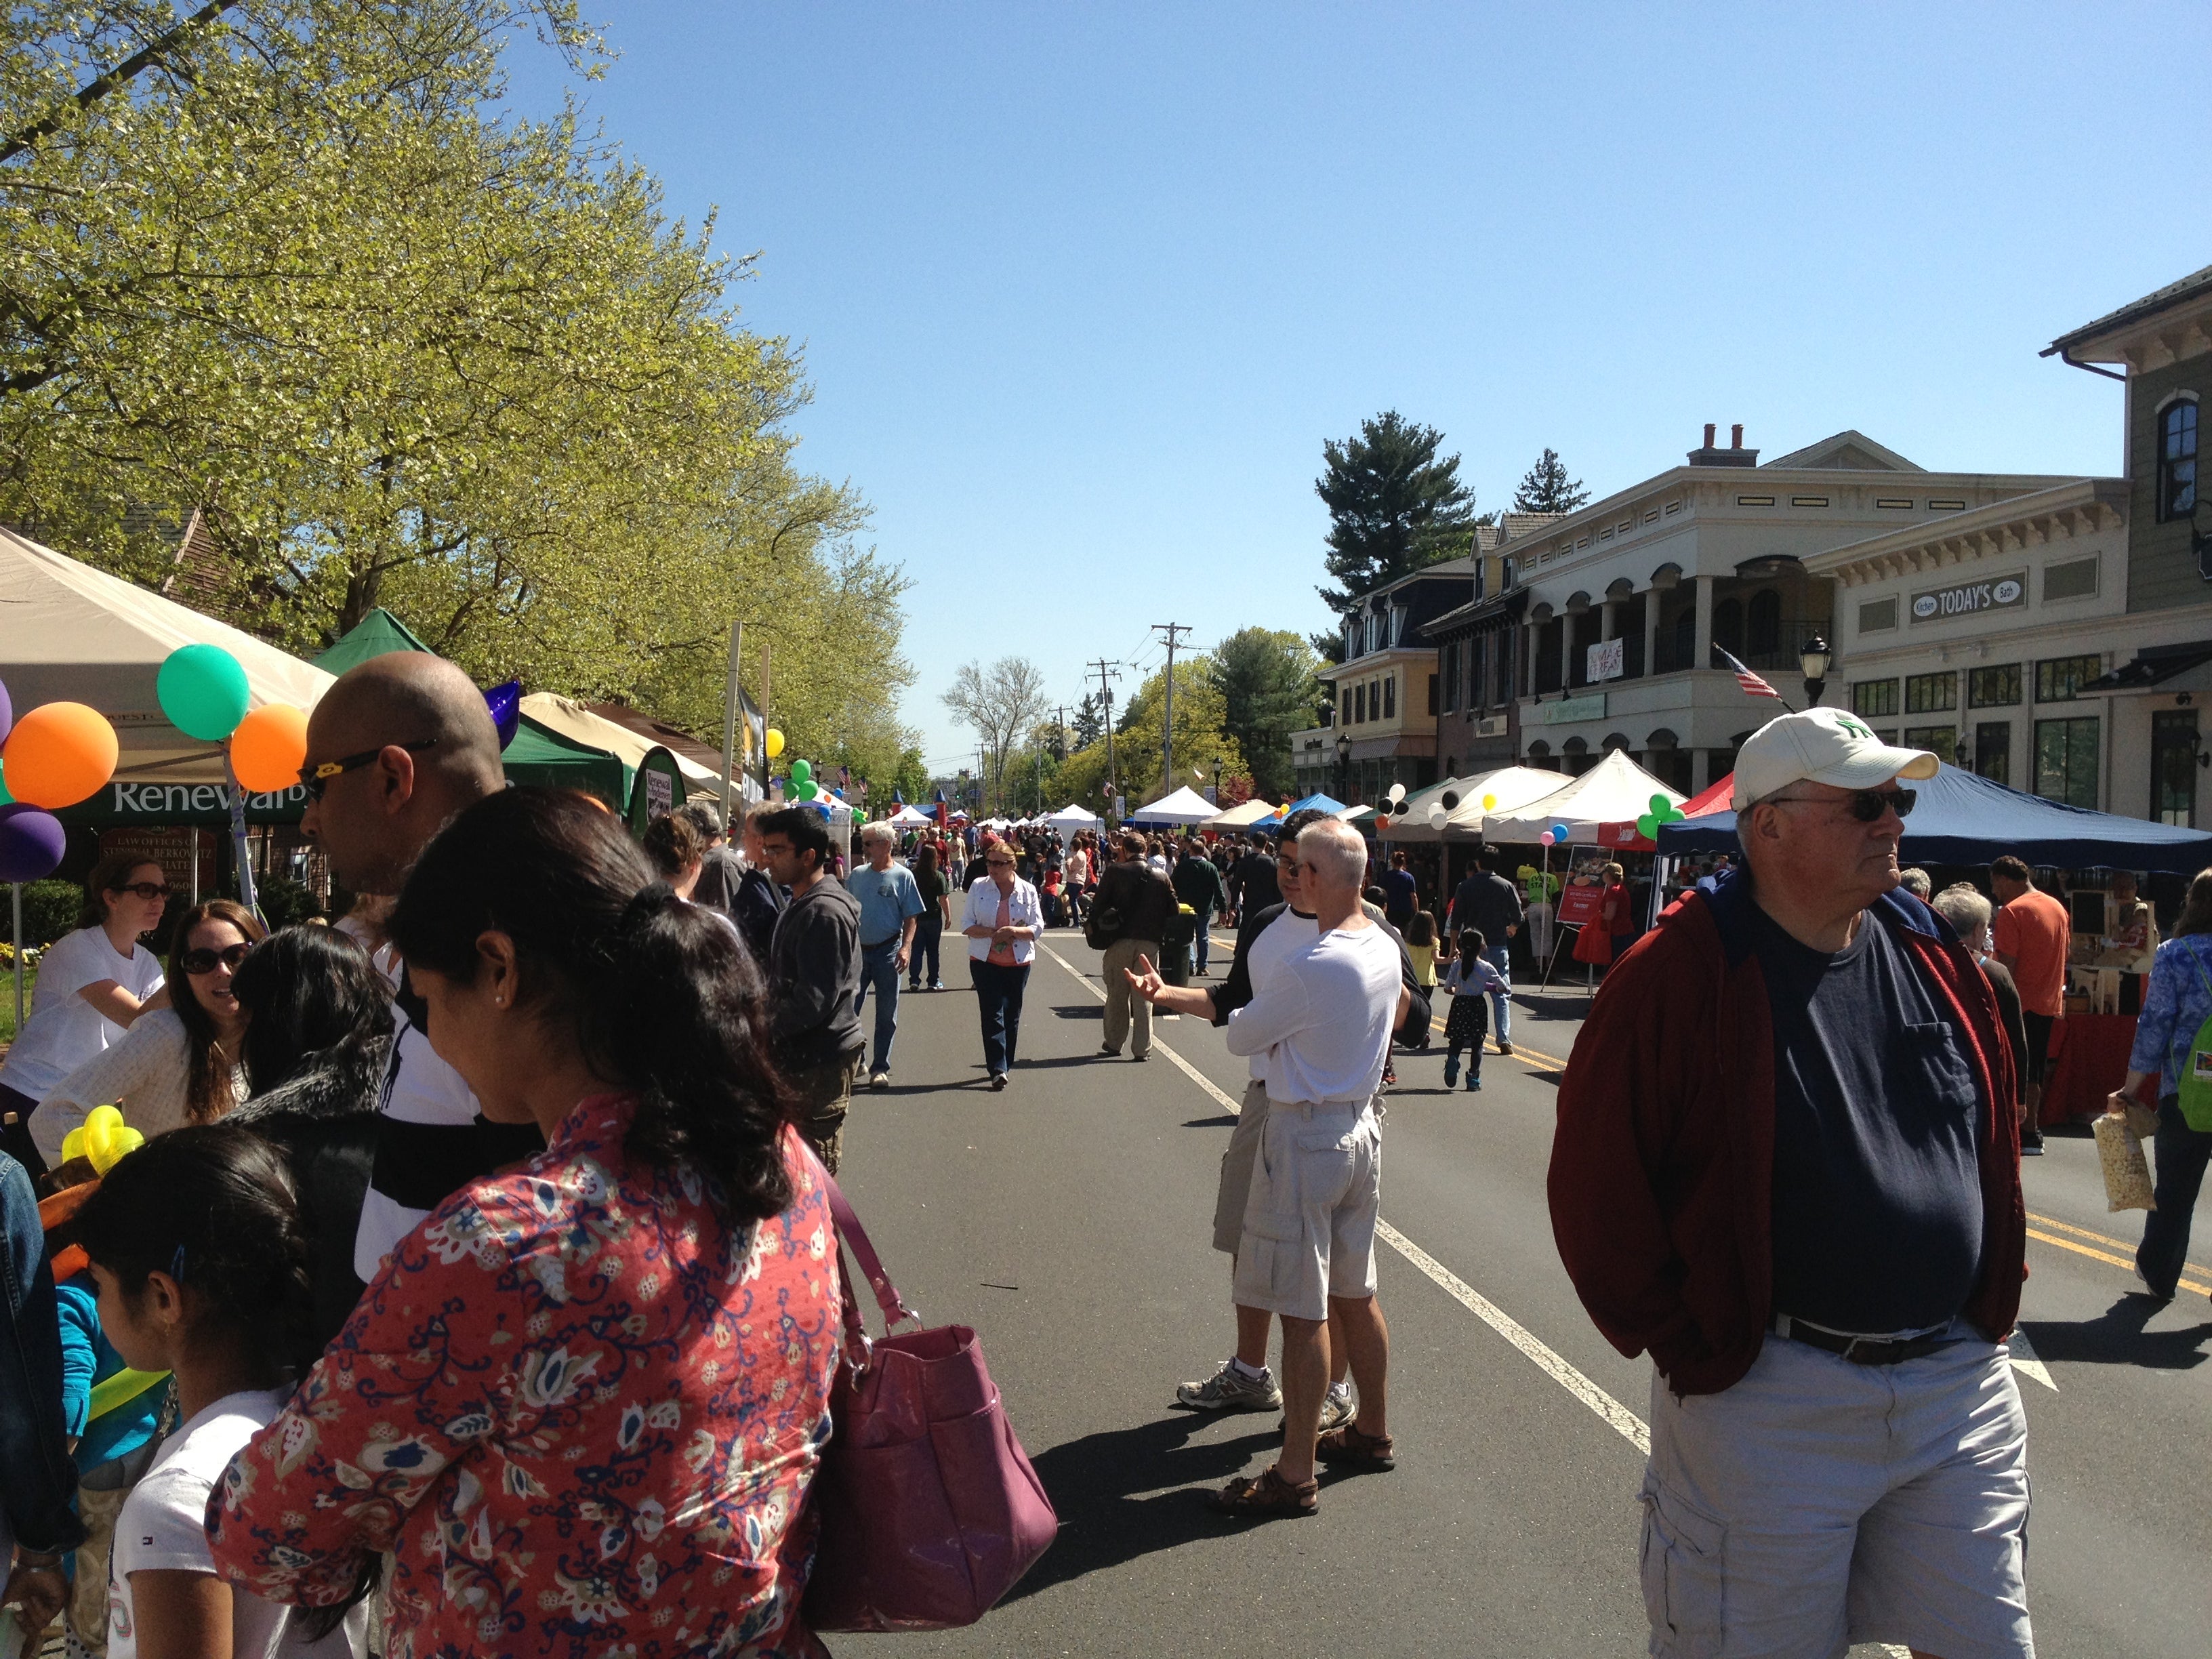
124, 72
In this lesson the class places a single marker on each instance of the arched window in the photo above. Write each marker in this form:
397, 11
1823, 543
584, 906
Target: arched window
2176, 459
1727, 627
1762, 632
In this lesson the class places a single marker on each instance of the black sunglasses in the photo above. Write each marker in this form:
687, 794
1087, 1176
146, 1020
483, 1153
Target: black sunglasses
316, 779
1867, 806
204, 961
145, 889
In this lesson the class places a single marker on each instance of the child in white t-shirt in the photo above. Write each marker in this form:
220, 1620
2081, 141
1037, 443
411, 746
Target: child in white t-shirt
197, 1248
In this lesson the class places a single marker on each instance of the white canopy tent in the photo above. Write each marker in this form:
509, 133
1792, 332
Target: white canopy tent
1073, 816
1241, 817
1186, 806
574, 721
910, 817
1513, 788
69, 633
1614, 791
1413, 825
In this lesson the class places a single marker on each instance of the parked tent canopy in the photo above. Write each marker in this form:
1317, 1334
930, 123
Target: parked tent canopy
1601, 806
1186, 806
1962, 818
1240, 817
1073, 816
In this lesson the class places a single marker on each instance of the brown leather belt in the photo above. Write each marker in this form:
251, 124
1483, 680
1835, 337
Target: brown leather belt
1863, 1350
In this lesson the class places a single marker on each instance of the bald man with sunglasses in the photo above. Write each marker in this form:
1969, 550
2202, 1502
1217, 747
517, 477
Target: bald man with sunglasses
1787, 1165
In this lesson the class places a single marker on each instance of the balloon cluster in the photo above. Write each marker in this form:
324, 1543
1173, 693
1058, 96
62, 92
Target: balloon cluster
103, 1137
1397, 805
54, 757
202, 691
802, 773
1554, 835
1663, 810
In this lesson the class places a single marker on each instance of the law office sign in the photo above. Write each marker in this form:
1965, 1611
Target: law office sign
1971, 599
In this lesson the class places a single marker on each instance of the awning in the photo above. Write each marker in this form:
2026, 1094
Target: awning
1242, 816
2154, 665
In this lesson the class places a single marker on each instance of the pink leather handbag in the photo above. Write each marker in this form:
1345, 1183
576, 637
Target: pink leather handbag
930, 1509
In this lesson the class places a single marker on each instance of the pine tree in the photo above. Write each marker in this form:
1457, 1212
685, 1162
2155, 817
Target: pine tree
1393, 506
1547, 489
1089, 723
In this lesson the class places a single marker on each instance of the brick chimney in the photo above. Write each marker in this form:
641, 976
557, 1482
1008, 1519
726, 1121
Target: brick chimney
1735, 455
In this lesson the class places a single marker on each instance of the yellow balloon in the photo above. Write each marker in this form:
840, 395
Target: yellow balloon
124, 1142
775, 743
73, 1144
1489, 803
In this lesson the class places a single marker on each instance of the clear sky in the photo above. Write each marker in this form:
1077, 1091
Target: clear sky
1084, 289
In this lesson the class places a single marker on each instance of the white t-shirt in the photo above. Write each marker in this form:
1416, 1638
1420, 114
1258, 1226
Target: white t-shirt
419, 1088
64, 1030
1278, 941
163, 1528
1323, 1022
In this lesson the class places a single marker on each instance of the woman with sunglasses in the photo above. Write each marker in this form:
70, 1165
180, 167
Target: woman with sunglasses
92, 983
176, 1065
1005, 918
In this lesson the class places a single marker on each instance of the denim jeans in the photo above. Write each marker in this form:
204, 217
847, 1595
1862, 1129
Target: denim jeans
1202, 940
928, 935
37, 1479
1501, 958
999, 1000
880, 971
2183, 1153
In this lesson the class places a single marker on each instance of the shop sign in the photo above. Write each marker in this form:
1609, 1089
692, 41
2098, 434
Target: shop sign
1608, 660
206, 804
182, 853
1971, 599
1568, 710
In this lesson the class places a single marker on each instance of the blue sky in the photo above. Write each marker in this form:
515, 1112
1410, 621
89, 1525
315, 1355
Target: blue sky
1083, 289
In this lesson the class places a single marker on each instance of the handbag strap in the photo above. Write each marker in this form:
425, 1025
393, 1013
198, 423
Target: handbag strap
854, 1238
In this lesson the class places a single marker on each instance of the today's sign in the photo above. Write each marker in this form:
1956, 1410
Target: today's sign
1970, 599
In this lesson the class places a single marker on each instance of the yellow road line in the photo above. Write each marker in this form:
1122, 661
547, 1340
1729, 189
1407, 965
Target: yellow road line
2041, 1236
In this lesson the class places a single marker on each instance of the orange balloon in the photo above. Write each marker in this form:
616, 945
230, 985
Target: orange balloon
269, 748
58, 754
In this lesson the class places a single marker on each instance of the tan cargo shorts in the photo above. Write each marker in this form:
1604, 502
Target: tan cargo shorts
1310, 1220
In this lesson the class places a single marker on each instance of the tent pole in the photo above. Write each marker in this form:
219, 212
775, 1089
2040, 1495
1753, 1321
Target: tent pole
17, 888
764, 756
238, 839
732, 694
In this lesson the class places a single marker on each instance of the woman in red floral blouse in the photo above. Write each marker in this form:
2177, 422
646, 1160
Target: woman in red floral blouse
583, 1401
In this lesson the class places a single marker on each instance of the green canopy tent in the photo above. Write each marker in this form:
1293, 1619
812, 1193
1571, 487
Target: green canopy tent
376, 635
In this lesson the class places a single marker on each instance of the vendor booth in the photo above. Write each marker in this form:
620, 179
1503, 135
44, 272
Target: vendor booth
1599, 808
1186, 806
1962, 819
1073, 816
1243, 816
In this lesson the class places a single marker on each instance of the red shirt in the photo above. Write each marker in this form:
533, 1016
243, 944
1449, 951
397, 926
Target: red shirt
1661, 1182
2033, 930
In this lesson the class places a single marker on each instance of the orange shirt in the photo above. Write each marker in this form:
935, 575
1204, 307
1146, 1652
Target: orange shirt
2033, 930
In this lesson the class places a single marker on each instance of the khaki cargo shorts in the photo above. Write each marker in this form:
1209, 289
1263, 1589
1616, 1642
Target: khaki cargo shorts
1310, 1221
1229, 1199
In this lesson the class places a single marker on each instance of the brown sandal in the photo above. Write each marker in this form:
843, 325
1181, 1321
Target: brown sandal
1361, 1452
1266, 1496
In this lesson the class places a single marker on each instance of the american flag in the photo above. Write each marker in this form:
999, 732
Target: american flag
1753, 685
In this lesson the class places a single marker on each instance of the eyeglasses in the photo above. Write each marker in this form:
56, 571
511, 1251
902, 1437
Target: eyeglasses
316, 779
1867, 806
148, 891
204, 961
1287, 860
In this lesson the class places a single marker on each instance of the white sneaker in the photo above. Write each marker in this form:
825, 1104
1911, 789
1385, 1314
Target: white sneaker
1338, 1407
1229, 1390
880, 1079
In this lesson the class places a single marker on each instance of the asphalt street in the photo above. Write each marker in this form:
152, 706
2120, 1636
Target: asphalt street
1068, 1220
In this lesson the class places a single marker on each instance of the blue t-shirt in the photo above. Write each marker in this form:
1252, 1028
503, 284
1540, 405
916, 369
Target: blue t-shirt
887, 898
1400, 893
1877, 1222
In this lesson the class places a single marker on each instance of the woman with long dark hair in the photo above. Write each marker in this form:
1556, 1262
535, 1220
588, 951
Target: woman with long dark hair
590, 1393
176, 1065
936, 916
317, 1043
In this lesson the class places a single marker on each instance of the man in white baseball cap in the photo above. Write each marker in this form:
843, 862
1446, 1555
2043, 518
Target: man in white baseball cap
1787, 1165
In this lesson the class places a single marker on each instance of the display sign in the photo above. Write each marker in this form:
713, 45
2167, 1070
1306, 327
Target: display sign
206, 804
1580, 905
182, 853
1568, 710
1971, 599
660, 794
1608, 660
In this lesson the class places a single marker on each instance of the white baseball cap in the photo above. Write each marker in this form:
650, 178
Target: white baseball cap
1821, 746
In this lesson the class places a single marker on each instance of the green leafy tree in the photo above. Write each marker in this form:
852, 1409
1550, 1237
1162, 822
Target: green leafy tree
1202, 738
1395, 505
1547, 489
1264, 677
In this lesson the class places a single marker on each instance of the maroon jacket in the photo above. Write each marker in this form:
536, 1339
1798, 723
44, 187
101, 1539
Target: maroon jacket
1662, 1166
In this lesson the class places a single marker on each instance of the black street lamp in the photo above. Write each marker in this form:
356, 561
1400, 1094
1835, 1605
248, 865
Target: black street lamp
1343, 768
1813, 659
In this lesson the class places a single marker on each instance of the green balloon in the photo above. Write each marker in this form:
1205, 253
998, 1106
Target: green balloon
202, 691
808, 789
801, 771
1672, 815
1660, 803
1647, 826
6, 800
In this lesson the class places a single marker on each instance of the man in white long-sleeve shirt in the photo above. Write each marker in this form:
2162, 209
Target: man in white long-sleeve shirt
1320, 1030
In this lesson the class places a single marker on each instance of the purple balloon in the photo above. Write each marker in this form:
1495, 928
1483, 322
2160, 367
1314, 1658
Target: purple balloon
32, 843
7, 714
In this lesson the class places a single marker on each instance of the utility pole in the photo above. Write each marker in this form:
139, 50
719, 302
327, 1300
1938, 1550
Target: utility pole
1106, 692
1167, 738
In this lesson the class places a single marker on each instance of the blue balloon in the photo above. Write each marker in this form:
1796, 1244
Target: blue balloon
32, 843
505, 701
1559, 832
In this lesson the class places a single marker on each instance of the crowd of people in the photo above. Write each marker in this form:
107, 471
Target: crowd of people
472, 1268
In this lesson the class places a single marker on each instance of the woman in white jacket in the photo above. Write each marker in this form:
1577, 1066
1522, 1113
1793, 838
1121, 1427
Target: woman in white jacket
1004, 919
176, 1065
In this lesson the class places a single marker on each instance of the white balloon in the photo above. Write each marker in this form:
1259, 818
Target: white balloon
1397, 792
1436, 815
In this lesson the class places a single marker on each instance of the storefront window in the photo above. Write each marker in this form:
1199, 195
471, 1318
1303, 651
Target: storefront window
2173, 767
1873, 699
2058, 679
1994, 688
2066, 759
1941, 741
1993, 746
1928, 694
